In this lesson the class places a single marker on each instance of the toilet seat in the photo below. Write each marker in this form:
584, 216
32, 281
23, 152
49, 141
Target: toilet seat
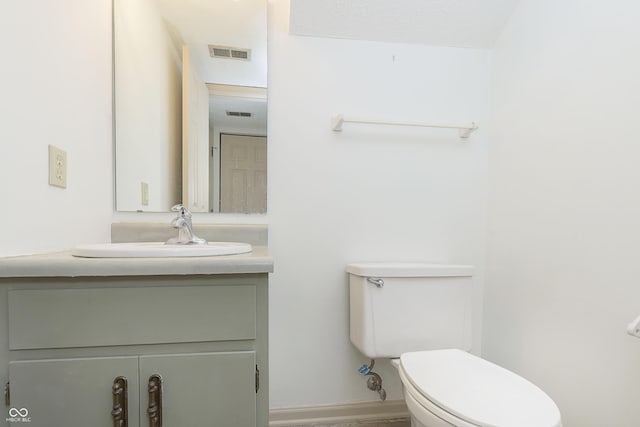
424, 410
468, 391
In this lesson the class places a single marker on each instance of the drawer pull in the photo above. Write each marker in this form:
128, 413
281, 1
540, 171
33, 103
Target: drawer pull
154, 410
120, 412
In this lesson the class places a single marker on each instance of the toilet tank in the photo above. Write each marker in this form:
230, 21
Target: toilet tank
400, 307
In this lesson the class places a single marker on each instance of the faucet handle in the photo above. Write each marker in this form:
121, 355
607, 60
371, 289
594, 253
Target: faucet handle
185, 232
182, 211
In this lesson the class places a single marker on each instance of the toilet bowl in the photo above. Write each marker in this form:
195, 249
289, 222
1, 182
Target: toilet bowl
444, 388
443, 384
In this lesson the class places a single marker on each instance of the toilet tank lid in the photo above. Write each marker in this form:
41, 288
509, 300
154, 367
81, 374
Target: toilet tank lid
404, 269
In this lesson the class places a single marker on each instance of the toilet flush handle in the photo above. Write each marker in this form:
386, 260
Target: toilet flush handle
633, 328
376, 281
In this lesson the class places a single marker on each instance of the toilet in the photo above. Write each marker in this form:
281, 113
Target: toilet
419, 315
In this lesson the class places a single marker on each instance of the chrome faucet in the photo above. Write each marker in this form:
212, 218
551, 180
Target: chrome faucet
185, 229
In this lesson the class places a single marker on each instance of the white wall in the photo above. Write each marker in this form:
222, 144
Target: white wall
56, 89
564, 211
366, 194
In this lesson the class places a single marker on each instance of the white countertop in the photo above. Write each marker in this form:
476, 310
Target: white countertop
63, 264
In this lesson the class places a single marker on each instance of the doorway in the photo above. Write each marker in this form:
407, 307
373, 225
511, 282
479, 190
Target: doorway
243, 173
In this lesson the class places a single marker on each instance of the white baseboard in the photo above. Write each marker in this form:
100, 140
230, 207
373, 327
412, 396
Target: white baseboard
335, 415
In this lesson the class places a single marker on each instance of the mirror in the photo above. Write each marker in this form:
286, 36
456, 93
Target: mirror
190, 105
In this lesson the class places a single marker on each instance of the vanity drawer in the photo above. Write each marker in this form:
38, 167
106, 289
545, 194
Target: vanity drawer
62, 318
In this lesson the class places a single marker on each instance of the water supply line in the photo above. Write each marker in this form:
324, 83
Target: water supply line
374, 382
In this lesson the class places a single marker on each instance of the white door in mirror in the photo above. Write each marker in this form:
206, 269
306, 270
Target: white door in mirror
633, 328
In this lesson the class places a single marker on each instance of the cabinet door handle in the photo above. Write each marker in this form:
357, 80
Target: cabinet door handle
120, 412
154, 410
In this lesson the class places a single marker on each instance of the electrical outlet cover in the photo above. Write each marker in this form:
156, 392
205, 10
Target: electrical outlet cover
57, 167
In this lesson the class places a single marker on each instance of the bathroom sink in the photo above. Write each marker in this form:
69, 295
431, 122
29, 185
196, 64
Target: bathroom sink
159, 250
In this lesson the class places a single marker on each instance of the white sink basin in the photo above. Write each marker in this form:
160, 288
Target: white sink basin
158, 250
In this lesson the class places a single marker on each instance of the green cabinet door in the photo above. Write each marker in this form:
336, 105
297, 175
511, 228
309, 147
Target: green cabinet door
203, 389
70, 392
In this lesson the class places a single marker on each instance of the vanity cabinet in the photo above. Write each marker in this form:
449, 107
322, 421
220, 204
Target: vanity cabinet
72, 392
172, 351
196, 389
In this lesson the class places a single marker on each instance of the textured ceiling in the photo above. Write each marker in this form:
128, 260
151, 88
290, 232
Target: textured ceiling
455, 23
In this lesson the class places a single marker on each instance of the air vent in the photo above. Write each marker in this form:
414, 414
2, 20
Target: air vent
229, 52
238, 114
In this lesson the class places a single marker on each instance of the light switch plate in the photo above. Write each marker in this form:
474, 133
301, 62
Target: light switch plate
57, 167
144, 190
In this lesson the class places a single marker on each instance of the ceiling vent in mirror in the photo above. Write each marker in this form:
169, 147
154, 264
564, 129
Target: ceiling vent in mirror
229, 52
238, 114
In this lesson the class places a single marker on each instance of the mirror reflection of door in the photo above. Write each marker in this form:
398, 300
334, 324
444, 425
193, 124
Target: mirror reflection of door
237, 115
243, 173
